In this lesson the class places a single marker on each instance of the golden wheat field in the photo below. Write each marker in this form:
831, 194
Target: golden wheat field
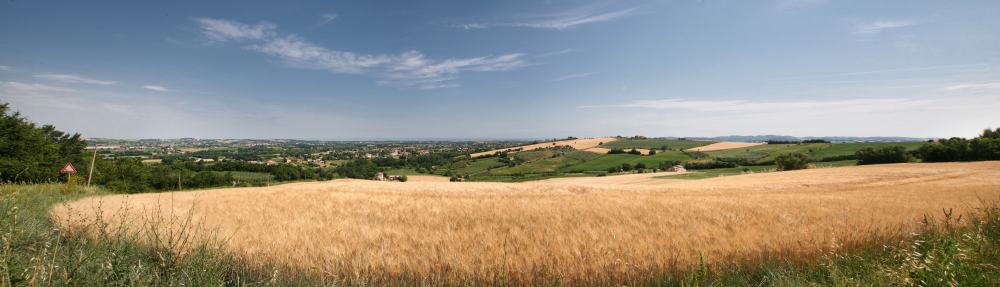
724, 145
578, 229
579, 144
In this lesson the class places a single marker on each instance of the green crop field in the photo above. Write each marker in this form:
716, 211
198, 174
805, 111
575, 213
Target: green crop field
850, 148
603, 163
819, 150
770, 148
583, 155
612, 160
545, 165
655, 160
479, 166
654, 144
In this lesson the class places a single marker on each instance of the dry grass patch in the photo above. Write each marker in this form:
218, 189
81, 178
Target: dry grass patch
579, 144
580, 231
724, 145
426, 178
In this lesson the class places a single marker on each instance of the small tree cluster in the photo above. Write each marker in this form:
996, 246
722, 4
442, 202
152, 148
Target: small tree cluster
792, 161
887, 154
984, 147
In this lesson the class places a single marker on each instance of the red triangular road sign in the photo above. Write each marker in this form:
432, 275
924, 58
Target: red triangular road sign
69, 168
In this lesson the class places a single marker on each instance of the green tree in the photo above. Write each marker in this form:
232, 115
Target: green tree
29, 153
886, 154
792, 161
124, 175
626, 167
652, 152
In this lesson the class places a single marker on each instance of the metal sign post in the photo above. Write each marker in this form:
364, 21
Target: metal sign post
68, 170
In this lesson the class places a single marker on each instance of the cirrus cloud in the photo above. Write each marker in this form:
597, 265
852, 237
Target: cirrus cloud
408, 69
74, 79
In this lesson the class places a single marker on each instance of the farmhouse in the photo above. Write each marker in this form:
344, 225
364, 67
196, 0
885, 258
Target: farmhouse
677, 168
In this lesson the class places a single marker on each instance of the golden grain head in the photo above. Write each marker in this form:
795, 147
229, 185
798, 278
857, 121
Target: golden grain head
574, 226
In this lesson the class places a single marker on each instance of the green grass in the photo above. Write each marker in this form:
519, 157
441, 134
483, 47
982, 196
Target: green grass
34, 252
612, 160
545, 165
850, 148
480, 166
711, 173
654, 144
655, 160
532, 154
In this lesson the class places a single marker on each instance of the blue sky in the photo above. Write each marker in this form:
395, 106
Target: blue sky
503, 69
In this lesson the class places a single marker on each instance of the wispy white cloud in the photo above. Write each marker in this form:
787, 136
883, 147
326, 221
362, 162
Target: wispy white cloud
571, 76
156, 88
557, 53
74, 79
556, 20
877, 26
409, 69
964, 66
225, 30
32, 87
326, 18
975, 86
856, 105
6, 68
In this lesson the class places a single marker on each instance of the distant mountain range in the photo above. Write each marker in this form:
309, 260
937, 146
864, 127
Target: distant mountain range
763, 138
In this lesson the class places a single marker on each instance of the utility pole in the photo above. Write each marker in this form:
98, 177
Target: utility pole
91, 167
178, 182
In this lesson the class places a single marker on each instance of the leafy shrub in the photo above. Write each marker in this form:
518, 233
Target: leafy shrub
403, 178
668, 164
709, 165
838, 158
886, 154
696, 154
792, 161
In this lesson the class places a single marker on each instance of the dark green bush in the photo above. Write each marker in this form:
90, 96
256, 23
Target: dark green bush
792, 161
886, 154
